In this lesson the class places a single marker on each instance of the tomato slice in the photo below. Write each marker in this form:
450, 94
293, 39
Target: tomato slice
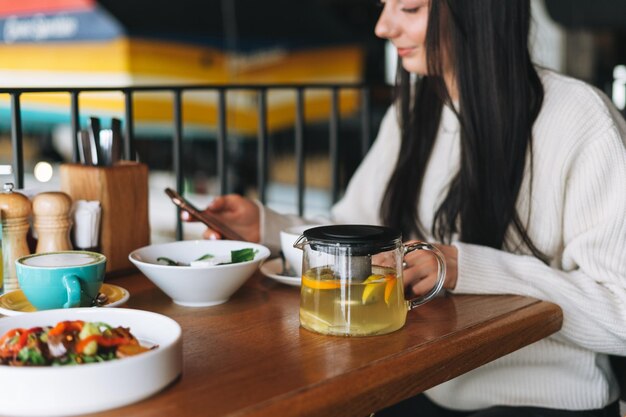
64, 326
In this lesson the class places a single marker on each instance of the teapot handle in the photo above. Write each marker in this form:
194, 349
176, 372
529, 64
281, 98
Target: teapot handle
441, 272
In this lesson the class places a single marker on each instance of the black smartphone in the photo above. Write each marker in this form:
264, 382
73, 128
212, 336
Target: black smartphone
205, 217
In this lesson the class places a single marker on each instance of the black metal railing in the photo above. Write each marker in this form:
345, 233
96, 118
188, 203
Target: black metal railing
222, 156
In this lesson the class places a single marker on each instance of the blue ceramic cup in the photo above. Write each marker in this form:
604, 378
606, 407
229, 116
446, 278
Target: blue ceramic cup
61, 279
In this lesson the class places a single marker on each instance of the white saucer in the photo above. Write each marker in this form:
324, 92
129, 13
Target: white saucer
274, 268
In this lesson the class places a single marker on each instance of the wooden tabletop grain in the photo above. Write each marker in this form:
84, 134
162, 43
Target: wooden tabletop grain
249, 357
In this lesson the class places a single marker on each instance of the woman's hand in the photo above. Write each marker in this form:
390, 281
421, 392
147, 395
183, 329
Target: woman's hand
420, 273
240, 213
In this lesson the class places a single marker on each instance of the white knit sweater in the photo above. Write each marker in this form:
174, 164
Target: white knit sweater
577, 218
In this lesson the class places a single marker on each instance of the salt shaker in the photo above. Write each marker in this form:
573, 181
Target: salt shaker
52, 222
86, 224
16, 210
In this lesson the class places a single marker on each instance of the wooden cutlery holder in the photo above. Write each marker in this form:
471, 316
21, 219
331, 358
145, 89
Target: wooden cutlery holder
122, 191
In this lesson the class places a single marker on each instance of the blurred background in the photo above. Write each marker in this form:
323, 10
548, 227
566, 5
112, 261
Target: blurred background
118, 43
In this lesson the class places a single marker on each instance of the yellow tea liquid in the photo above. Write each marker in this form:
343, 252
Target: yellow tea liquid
361, 306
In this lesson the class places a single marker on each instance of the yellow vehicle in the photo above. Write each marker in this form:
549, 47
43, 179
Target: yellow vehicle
88, 43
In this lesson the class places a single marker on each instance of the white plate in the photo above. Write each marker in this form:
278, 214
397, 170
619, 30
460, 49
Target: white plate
274, 269
15, 302
79, 389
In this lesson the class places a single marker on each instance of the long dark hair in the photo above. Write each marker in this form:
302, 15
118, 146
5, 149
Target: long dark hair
500, 95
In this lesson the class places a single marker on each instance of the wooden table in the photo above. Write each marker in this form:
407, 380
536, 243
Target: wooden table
249, 357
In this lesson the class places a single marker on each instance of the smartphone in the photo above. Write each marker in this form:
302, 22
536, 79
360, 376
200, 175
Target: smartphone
205, 217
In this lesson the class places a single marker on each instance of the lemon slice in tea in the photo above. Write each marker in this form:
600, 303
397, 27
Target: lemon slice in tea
377, 286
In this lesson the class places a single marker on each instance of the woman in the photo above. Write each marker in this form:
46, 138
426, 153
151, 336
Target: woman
520, 175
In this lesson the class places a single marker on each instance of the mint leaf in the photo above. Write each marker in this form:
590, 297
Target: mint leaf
242, 255
166, 261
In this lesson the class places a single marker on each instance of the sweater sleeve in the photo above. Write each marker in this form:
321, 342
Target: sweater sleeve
271, 223
589, 281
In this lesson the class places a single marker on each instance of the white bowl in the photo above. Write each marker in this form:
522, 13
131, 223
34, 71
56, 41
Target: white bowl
293, 256
89, 388
197, 286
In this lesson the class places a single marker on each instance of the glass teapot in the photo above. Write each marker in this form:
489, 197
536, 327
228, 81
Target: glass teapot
352, 279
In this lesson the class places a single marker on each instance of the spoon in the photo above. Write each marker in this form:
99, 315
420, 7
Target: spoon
284, 263
100, 300
94, 140
106, 147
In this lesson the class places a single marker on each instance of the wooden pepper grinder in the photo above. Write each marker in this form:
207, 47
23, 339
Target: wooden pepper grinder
16, 209
52, 222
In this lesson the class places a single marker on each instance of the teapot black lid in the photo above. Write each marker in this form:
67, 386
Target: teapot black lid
362, 239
